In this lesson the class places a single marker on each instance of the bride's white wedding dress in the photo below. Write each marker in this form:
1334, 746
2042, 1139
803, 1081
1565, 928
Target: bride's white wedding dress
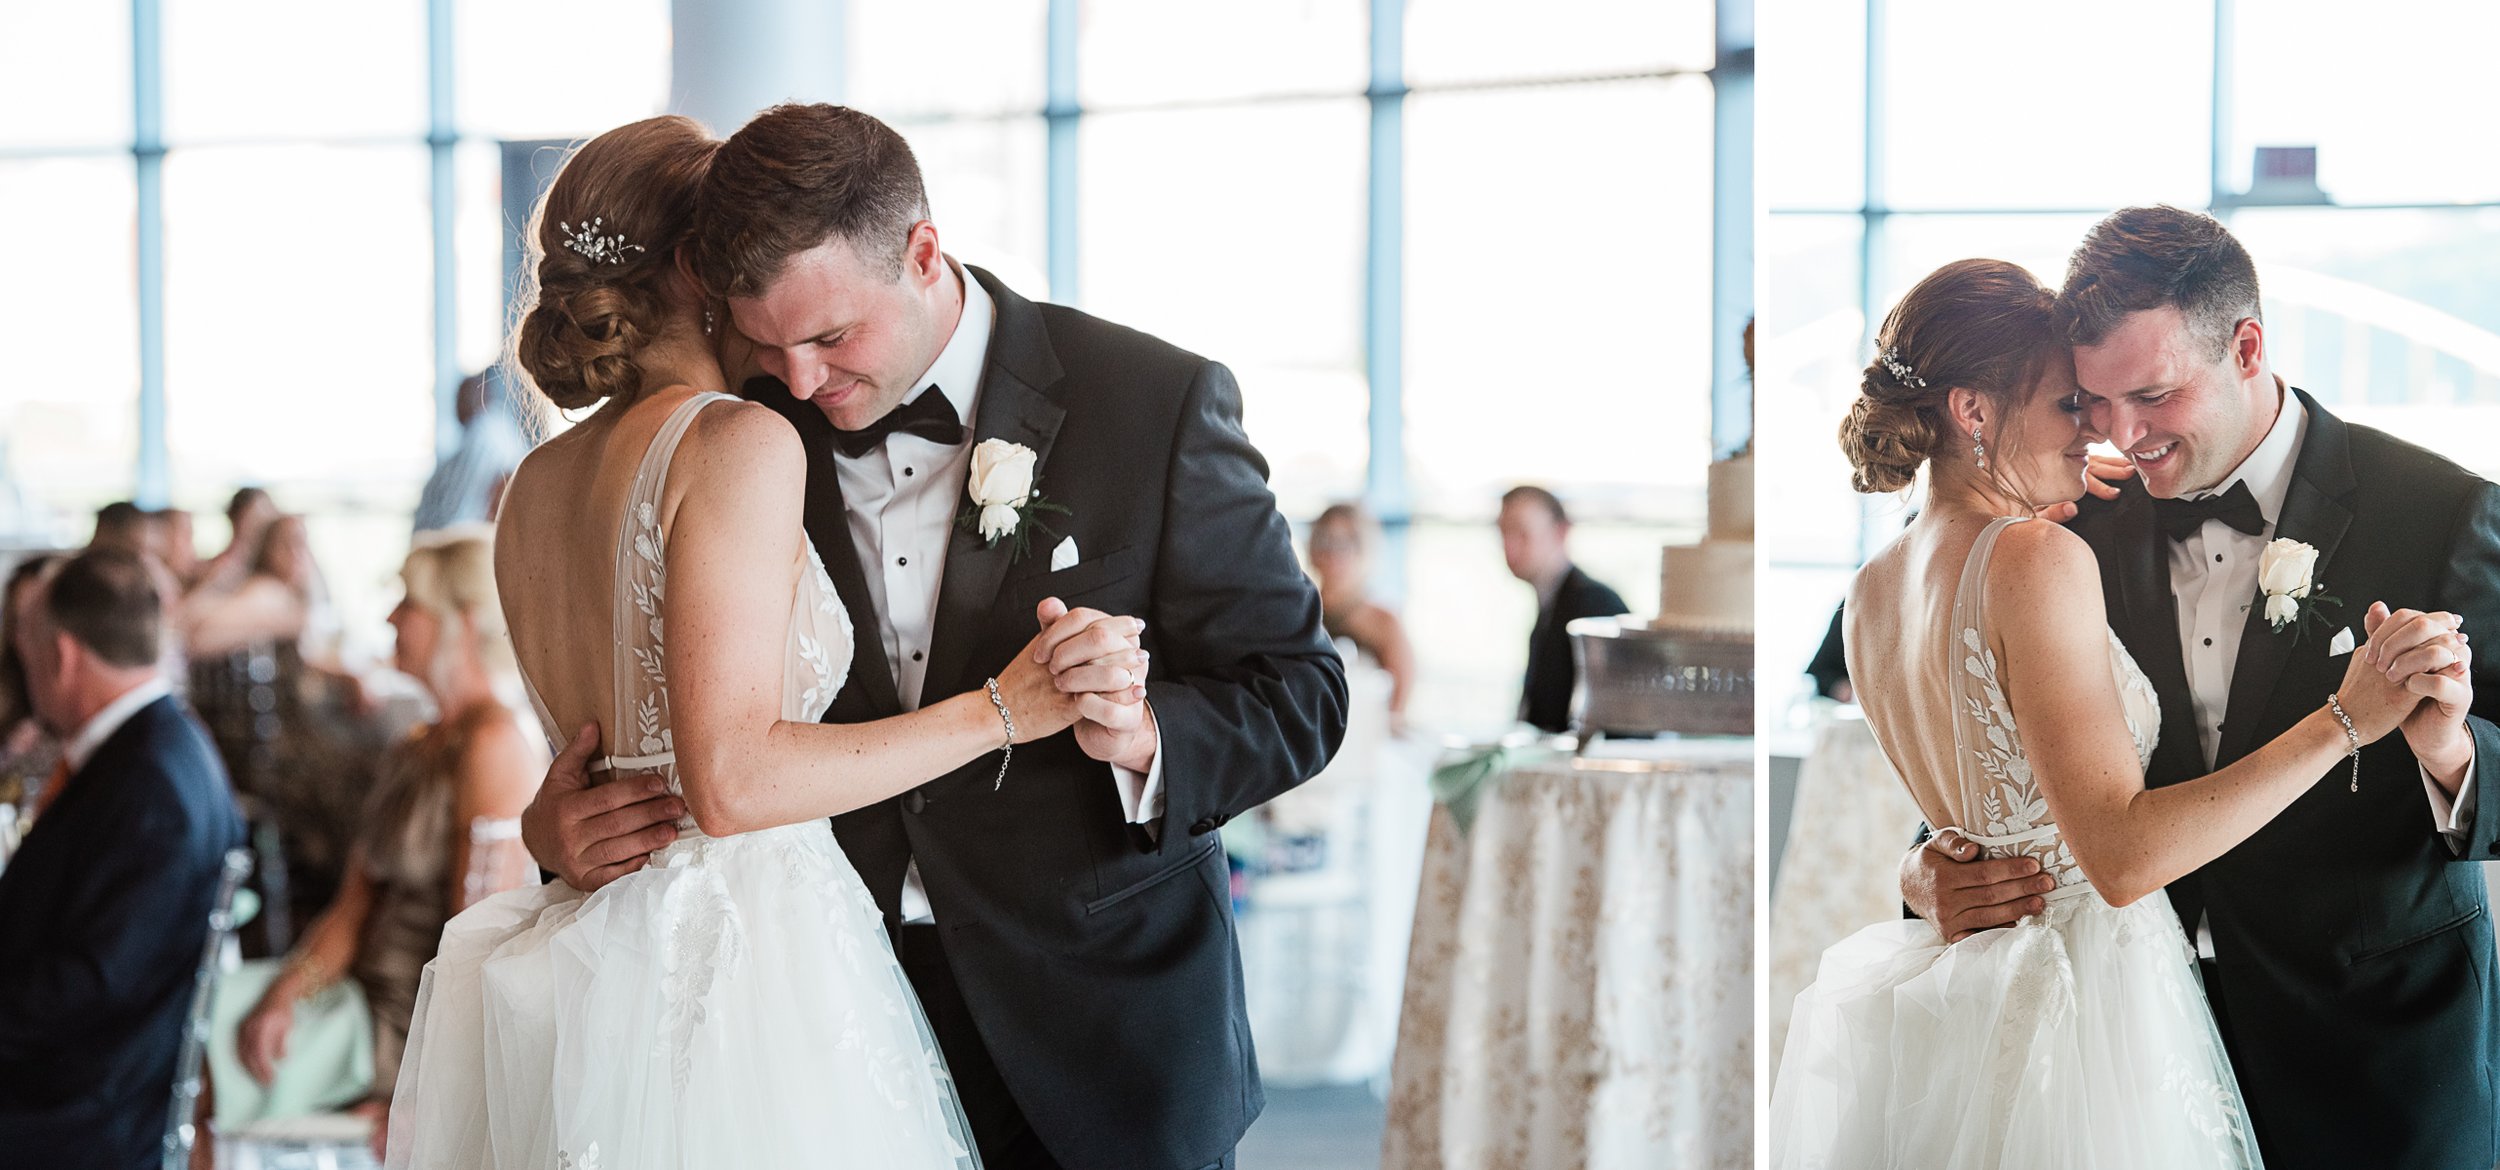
2079, 1037
733, 1004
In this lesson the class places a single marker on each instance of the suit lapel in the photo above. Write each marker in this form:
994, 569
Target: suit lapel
1019, 367
829, 529
2136, 579
2316, 512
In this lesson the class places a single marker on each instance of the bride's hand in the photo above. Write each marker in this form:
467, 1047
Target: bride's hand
1085, 651
2377, 694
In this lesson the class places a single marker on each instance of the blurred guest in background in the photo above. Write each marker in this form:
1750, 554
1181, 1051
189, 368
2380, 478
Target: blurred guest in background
297, 734
1342, 543
104, 910
248, 516
28, 757
128, 527
274, 601
441, 829
1830, 666
124, 525
468, 483
1536, 544
177, 545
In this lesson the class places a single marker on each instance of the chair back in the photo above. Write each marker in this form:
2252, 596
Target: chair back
180, 1130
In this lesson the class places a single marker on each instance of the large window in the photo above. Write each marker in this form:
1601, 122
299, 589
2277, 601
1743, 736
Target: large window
1468, 247
1492, 224
243, 237
1904, 135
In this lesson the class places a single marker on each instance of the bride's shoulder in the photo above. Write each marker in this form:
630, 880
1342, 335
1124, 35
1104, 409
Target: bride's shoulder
739, 440
2038, 564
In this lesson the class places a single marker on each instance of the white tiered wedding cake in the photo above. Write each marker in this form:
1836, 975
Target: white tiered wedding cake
1708, 587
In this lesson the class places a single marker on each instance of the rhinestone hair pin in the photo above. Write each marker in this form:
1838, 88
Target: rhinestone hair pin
1901, 371
596, 248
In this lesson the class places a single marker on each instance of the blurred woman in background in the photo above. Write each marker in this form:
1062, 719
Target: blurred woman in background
1342, 542
442, 827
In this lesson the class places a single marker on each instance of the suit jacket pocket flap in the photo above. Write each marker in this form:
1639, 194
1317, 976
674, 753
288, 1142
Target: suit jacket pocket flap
1192, 861
2471, 914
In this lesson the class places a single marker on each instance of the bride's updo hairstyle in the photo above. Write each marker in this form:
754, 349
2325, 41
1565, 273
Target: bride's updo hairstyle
1981, 325
602, 247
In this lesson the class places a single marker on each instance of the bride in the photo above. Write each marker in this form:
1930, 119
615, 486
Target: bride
735, 1002
2079, 1037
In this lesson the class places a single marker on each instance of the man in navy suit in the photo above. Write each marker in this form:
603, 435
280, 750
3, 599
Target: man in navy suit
104, 910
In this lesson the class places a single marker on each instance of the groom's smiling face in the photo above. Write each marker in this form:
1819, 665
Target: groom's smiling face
849, 332
2185, 415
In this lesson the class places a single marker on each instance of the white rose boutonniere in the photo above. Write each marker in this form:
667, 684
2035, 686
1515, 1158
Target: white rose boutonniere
1002, 501
2287, 580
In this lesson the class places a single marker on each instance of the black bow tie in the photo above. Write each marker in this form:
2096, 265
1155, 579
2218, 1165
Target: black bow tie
929, 416
2236, 507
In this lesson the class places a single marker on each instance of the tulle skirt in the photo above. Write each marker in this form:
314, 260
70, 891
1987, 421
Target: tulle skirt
2079, 1039
735, 1004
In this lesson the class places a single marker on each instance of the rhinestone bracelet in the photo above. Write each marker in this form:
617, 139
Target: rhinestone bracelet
2354, 737
1000, 702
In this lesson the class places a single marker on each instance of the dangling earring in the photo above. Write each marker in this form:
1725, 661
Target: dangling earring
709, 322
1978, 449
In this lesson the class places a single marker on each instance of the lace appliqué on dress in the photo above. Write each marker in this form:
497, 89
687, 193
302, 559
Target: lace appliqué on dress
2011, 804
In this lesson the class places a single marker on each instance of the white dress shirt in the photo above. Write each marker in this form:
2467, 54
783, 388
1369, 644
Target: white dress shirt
2213, 575
101, 726
901, 500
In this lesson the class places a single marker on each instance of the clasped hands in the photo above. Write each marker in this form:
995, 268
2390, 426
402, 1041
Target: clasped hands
1946, 882
1085, 670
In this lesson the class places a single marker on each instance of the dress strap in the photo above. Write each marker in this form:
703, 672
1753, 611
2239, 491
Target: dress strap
1966, 651
639, 718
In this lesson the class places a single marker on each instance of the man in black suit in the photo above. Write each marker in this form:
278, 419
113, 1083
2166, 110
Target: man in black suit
1536, 544
2346, 949
104, 909
1067, 925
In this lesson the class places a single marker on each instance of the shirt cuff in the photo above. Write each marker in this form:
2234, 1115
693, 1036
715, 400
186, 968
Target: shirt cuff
1141, 793
2451, 818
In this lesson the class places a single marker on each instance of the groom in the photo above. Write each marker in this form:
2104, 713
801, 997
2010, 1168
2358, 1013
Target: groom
2347, 953
1068, 927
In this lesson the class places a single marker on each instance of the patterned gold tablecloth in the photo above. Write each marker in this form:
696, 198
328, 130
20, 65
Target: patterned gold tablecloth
1580, 984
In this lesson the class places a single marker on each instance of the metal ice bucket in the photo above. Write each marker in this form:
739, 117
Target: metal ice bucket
1635, 680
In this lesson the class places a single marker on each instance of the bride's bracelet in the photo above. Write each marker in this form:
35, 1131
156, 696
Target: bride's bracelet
1004, 716
2351, 735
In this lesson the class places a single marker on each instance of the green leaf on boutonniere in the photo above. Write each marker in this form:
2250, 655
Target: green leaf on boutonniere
1027, 520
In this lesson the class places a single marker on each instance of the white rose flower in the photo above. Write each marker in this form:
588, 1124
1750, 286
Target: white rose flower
2281, 608
2284, 571
1002, 474
998, 521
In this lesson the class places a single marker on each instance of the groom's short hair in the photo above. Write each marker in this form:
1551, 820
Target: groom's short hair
2148, 257
795, 178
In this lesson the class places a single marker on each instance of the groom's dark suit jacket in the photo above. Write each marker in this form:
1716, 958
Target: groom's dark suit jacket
2353, 952
103, 914
1099, 962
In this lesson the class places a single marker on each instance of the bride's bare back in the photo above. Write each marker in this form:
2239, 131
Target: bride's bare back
556, 550
1900, 641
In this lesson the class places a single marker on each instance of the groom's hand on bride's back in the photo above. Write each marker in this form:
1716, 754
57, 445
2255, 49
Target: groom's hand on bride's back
1945, 882
590, 835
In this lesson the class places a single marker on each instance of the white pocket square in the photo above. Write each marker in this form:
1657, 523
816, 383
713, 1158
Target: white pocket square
2342, 644
1064, 556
